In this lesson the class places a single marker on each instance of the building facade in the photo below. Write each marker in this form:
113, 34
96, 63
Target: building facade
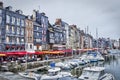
82, 36
29, 46
50, 37
59, 35
74, 37
12, 29
37, 35
40, 30
67, 28
1, 26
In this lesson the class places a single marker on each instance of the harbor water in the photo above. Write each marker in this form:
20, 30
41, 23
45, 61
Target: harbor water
112, 65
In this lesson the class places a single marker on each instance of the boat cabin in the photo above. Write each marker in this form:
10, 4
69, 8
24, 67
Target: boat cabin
92, 73
53, 71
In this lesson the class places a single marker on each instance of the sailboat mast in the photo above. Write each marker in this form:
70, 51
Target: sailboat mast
97, 37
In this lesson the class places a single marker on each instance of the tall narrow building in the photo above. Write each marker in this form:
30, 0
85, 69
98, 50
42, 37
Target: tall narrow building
59, 35
29, 47
40, 25
12, 30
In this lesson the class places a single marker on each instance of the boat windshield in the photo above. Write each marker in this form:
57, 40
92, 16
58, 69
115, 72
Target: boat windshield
91, 73
52, 73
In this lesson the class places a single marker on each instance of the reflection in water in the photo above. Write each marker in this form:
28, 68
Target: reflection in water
112, 65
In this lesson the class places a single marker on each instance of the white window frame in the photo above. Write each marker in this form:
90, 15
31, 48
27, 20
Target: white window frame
22, 31
0, 19
0, 11
7, 39
7, 19
22, 22
13, 20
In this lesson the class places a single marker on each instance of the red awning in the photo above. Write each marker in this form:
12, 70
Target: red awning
2, 54
68, 50
21, 53
10, 53
15, 53
39, 52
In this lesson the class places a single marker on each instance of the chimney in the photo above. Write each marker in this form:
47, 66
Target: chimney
1, 4
19, 11
9, 8
58, 21
28, 17
43, 13
34, 15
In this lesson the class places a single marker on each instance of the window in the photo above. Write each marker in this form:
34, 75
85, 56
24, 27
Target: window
22, 31
60, 35
0, 19
18, 30
0, 40
17, 40
13, 29
26, 23
37, 28
51, 40
30, 38
0, 11
56, 34
13, 20
44, 32
7, 39
43, 20
30, 46
22, 23
7, 19
40, 29
7, 28
29, 32
51, 35
45, 39
13, 40
18, 21
38, 40
22, 40
42, 25
37, 34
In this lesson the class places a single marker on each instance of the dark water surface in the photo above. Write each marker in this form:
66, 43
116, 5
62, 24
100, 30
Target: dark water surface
112, 65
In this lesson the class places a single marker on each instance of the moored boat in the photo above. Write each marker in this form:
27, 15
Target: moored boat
55, 74
30, 75
95, 73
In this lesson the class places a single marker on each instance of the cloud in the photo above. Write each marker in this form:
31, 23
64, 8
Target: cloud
101, 14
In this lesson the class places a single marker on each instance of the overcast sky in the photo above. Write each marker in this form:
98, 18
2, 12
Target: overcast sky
101, 14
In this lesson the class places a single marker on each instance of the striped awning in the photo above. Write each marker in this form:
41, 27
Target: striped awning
53, 52
39, 52
1, 54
